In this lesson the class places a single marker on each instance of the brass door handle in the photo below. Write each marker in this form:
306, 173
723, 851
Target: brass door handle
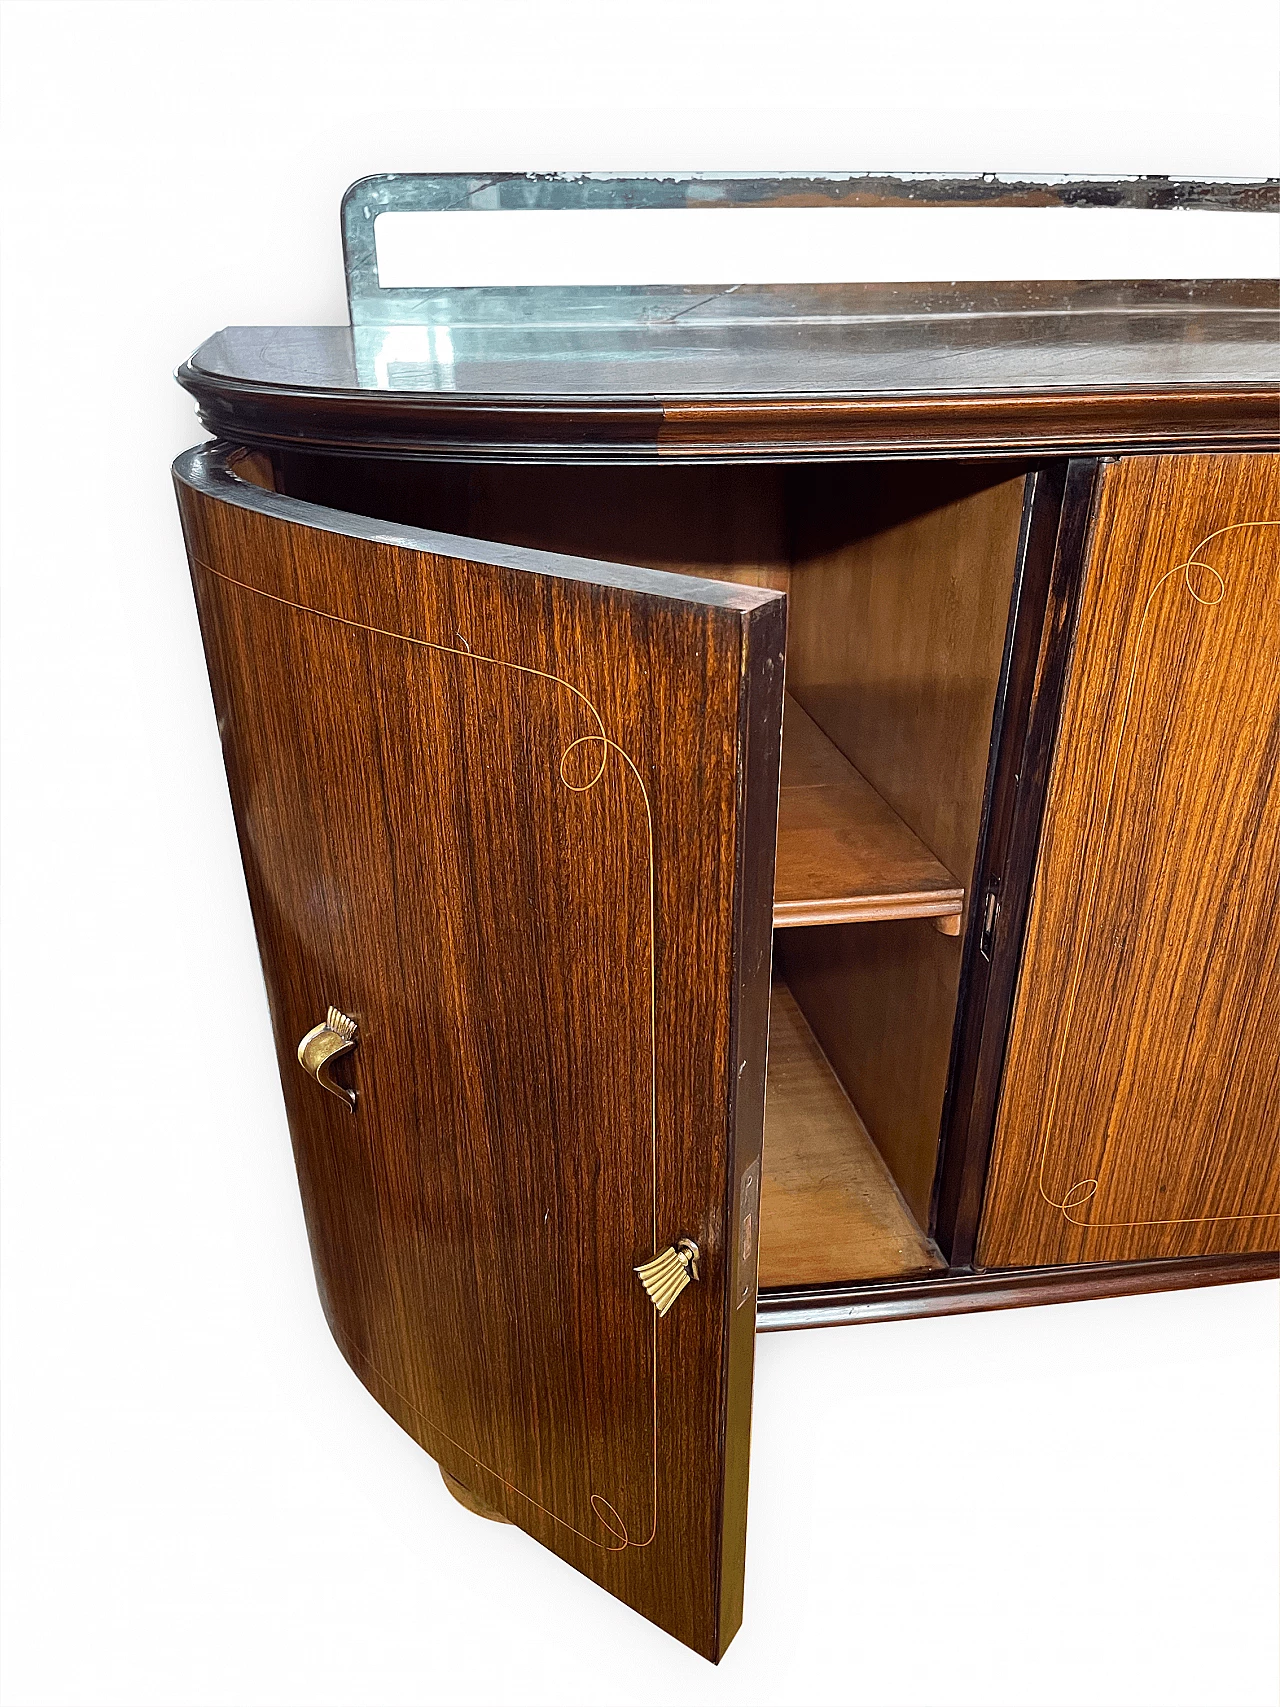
665, 1277
325, 1044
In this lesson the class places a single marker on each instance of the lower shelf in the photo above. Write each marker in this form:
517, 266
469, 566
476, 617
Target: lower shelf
829, 1208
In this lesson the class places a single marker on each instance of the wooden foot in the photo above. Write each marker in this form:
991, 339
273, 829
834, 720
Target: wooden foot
465, 1497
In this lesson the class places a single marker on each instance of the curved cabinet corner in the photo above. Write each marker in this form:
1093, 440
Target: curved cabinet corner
509, 816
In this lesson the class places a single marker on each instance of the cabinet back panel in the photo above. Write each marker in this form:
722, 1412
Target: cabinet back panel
726, 524
900, 593
1140, 1112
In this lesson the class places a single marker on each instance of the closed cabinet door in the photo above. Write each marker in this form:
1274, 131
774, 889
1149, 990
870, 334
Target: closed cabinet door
1140, 1109
507, 822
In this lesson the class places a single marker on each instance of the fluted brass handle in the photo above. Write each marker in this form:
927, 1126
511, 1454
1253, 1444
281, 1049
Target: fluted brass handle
325, 1044
665, 1277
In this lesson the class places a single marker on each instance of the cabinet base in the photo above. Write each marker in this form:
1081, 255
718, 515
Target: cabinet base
465, 1497
963, 1290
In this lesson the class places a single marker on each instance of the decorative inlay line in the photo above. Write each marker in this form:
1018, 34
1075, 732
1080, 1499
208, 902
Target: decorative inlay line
1083, 1190
599, 1504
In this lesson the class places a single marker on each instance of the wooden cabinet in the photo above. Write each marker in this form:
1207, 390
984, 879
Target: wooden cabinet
494, 812
1140, 1115
500, 680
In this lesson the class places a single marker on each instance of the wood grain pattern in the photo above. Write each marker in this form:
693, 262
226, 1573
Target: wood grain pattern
466, 1498
494, 809
962, 1291
900, 603
726, 524
967, 424
1050, 563
256, 467
843, 852
829, 1210
868, 370
760, 753
1140, 1112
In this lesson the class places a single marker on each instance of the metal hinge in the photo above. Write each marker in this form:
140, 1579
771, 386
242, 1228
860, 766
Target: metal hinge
990, 915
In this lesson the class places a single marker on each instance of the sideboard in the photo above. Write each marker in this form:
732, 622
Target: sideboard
752, 821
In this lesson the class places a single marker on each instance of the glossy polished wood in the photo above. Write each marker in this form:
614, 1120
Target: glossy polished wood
829, 1210
405, 836
1141, 1102
1022, 423
494, 804
1028, 697
721, 523
961, 1292
845, 370
843, 853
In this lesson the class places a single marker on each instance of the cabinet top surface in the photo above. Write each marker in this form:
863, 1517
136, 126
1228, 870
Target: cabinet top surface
868, 350
818, 341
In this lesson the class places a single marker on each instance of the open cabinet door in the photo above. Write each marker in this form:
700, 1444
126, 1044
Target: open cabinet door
512, 817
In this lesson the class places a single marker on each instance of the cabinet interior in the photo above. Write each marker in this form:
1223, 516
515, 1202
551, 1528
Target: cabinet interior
899, 578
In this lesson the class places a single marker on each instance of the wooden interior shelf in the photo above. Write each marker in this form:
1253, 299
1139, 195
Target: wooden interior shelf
829, 1209
844, 854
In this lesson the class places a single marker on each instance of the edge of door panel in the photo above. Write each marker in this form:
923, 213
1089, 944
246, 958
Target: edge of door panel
1043, 616
206, 468
760, 757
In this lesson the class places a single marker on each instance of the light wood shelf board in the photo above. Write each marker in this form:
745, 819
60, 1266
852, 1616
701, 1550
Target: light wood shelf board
829, 1209
844, 854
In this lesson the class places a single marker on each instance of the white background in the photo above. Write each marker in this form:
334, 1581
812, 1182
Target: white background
819, 245
1061, 1506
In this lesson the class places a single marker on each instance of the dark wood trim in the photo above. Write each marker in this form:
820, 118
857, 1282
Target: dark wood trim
1022, 423
1041, 511
1042, 514
424, 425
465, 428
962, 1292
213, 470
760, 750
1043, 626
